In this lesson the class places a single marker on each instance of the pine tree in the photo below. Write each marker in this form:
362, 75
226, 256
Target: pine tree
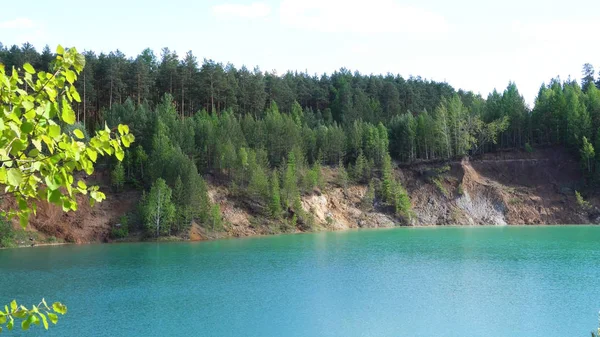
342, 176
216, 219
290, 180
259, 184
388, 180
360, 173
587, 154
118, 176
401, 201
275, 202
369, 198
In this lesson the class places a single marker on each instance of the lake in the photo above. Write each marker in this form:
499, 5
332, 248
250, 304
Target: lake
451, 281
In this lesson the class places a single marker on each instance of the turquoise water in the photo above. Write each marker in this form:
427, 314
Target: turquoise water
504, 281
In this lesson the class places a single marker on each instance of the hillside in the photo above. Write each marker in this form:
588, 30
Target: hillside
515, 188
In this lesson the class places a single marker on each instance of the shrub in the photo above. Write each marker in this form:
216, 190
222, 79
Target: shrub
7, 234
528, 148
438, 183
514, 201
582, 202
443, 169
460, 190
121, 231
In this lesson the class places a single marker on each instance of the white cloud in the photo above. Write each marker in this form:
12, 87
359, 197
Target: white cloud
18, 23
556, 31
358, 16
21, 30
254, 10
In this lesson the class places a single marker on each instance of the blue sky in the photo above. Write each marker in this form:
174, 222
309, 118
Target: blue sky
476, 45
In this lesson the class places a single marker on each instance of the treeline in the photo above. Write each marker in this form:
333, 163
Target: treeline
269, 161
268, 134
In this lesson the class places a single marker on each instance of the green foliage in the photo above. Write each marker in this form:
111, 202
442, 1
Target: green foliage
7, 234
122, 230
342, 175
293, 222
290, 181
117, 177
38, 315
514, 201
440, 186
158, 210
460, 189
388, 179
275, 199
442, 169
38, 157
528, 148
259, 184
369, 198
216, 219
584, 204
587, 155
361, 171
401, 201
312, 178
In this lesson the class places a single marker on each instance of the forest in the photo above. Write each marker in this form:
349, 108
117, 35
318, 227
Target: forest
266, 135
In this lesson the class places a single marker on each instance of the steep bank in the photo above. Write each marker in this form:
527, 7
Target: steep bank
499, 189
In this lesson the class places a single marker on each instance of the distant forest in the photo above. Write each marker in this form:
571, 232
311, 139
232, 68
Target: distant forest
251, 126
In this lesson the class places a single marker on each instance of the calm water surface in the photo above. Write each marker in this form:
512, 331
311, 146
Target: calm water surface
504, 281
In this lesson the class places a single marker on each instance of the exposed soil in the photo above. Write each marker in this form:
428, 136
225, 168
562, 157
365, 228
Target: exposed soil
494, 189
87, 224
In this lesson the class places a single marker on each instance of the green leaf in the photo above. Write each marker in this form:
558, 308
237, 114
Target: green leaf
10, 324
68, 115
70, 76
13, 305
81, 185
59, 308
14, 178
123, 129
54, 131
60, 50
26, 323
78, 133
120, 154
53, 317
26, 127
22, 204
2, 318
30, 114
55, 197
33, 153
92, 154
75, 94
28, 68
27, 105
44, 320
23, 219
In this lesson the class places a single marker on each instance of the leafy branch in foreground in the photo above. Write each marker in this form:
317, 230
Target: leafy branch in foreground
37, 158
40, 314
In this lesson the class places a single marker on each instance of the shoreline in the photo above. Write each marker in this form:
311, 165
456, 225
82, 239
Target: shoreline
180, 240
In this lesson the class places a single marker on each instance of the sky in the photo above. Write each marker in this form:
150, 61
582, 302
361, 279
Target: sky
475, 45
